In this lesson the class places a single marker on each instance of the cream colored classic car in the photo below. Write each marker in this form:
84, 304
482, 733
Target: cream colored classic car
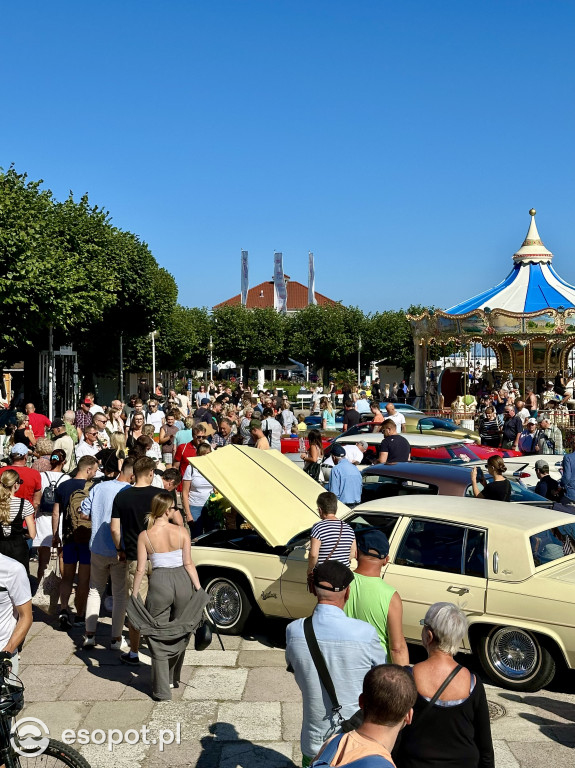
511, 569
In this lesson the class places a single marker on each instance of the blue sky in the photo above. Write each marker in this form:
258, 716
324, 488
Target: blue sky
402, 142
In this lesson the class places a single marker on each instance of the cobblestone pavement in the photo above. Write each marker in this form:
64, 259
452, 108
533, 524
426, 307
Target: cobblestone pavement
238, 707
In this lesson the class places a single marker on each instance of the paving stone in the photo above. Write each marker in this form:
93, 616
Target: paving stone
517, 728
564, 734
208, 658
547, 753
140, 687
271, 684
231, 643
257, 644
47, 683
195, 719
257, 720
245, 754
58, 717
118, 714
205, 753
226, 684
504, 757
53, 648
291, 720
122, 756
107, 686
270, 658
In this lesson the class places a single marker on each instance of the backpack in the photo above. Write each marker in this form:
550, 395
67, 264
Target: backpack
370, 761
49, 495
81, 529
267, 431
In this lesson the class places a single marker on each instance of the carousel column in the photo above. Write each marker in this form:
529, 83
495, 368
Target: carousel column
420, 371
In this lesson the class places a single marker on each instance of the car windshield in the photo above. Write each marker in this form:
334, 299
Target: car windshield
428, 424
553, 544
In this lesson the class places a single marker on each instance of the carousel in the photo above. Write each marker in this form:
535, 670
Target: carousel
526, 322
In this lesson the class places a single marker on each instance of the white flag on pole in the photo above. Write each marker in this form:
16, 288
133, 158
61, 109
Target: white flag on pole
245, 281
280, 288
311, 281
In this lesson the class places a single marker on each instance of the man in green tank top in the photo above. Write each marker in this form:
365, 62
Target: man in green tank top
374, 601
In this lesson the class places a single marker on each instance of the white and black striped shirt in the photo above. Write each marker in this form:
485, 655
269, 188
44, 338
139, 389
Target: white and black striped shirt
328, 532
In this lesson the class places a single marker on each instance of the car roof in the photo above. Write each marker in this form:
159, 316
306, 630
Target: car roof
414, 439
484, 513
419, 470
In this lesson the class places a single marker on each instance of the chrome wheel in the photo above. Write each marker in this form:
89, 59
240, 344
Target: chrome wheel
514, 653
227, 603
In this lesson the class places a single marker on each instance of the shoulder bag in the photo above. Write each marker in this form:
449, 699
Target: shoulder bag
317, 657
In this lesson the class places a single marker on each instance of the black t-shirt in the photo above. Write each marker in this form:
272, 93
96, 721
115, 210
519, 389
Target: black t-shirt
397, 447
547, 487
62, 495
350, 418
498, 490
132, 506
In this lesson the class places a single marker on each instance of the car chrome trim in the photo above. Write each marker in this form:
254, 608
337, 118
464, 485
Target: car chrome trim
513, 653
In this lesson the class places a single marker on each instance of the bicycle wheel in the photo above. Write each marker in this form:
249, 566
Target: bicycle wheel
55, 755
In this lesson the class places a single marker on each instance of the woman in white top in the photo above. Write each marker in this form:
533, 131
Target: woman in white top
171, 583
196, 491
13, 512
43, 538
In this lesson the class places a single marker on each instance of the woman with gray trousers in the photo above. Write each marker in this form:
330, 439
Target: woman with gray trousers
175, 600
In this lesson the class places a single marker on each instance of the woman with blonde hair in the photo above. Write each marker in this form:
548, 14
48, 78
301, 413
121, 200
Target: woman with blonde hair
23, 433
328, 414
13, 512
112, 458
43, 450
135, 429
171, 587
115, 423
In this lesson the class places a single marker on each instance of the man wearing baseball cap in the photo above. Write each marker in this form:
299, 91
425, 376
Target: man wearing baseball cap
31, 487
527, 443
345, 478
350, 648
371, 599
546, 486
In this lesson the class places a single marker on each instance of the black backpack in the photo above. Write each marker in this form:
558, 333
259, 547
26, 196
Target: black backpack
49, 495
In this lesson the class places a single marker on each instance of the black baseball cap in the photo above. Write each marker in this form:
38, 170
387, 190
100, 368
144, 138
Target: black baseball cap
373, 542
338, 450
332, 575
57, 423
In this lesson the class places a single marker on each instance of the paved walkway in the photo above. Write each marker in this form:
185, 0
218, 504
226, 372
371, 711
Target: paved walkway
237, 707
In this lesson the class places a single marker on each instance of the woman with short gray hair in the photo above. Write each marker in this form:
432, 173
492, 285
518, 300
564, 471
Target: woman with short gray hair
450, 724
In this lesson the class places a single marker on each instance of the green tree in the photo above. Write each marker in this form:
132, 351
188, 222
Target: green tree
248, 337
388, 337
328, 336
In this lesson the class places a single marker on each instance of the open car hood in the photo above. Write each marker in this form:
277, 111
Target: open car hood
270, 491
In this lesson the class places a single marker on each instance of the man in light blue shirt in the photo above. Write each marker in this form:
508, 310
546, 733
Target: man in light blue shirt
349, 647
568, 479
104, 557
345, 478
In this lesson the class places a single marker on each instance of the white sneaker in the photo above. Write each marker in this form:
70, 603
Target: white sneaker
89, 642
120, 645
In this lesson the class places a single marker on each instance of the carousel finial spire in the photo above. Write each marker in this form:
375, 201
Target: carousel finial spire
532, 251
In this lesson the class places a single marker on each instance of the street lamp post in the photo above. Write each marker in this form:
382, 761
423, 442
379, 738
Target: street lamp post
211, 348
359, 361
153, 338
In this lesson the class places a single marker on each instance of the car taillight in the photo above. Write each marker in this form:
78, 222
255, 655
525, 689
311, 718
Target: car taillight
524, 474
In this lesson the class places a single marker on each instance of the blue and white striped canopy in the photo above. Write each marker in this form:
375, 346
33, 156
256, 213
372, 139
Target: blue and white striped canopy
531, 286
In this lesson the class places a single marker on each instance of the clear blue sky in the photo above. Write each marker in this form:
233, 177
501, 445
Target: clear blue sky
402, 142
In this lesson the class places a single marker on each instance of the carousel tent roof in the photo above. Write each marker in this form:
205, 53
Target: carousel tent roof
532, 284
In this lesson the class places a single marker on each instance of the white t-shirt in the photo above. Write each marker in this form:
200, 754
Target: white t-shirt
96, 409
14, 590
398, 418
523, 414
83, 449
200, 488
156, 418
353, 454
276, 429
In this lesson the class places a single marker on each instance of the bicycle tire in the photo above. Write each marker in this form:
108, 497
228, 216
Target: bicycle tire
55, 755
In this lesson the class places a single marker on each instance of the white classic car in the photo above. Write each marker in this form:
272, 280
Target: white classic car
511, 568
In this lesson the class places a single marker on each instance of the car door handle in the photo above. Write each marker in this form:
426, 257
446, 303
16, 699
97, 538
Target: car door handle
458, 590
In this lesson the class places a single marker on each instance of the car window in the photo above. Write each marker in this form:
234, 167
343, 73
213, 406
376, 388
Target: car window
433, 546
377, 486
380, 520
519, 493
553, 544
474, 560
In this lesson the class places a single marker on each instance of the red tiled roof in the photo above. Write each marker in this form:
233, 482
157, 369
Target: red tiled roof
262, 296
